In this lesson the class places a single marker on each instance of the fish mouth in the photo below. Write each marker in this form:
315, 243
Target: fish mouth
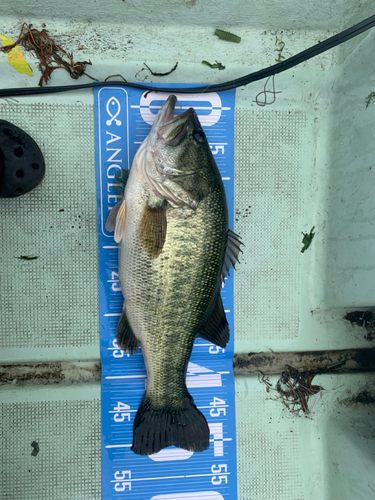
174, 130
169, 128
165, 114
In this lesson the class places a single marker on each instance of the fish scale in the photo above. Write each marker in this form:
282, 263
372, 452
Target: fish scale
179, 309
185, 296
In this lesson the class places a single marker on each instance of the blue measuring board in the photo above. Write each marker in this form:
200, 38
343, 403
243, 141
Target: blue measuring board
123, 118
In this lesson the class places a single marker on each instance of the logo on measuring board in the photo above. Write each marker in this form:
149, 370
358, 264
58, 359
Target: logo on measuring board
115, 106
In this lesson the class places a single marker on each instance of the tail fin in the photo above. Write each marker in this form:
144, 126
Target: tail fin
157, 428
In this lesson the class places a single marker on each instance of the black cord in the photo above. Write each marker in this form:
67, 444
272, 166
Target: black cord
313, 51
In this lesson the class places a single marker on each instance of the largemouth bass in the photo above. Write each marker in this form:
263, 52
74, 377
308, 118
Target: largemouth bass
175, 250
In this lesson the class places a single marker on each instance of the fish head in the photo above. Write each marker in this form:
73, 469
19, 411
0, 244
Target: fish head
181, 143
175, 159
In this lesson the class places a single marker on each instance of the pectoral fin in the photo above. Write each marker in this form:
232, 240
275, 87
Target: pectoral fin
215, 327
116, 218
152, 229
231, 254
120, 221
110, 223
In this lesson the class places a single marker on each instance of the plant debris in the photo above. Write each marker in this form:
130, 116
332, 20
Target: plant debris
50, 55
280, 47
361, 318
307, 239
35, 451
217, 65
364, 319
153, 73
137, 75
264, 380
294, 388
364, 398
370, 99
16, 58
226, 35
27, 257
113, 76
265, 92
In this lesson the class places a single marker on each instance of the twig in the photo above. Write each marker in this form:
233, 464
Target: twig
265, 92
112, 76
161, 74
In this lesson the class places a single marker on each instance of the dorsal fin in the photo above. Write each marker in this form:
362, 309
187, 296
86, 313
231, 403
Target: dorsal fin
232, 252
119, 181
215, 327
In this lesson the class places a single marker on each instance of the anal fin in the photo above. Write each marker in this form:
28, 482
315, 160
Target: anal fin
126, 339
215, 327
152, 229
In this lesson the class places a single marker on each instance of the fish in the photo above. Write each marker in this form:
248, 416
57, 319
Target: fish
175, 250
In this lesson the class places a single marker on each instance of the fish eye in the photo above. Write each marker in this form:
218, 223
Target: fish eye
199, 135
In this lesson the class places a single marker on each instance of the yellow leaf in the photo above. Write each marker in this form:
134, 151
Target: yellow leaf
16, 58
